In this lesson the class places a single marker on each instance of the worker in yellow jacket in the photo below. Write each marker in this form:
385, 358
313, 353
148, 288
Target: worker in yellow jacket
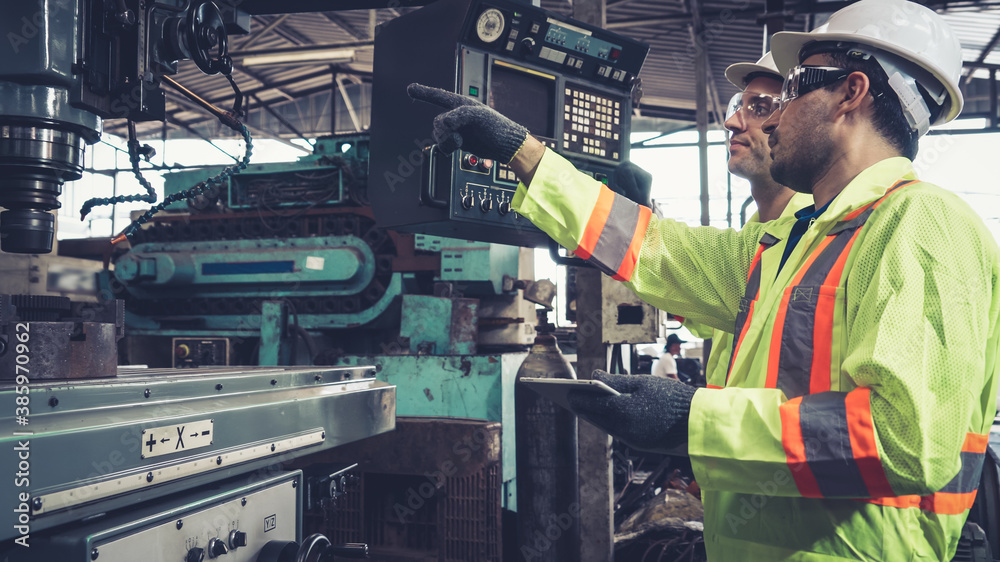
854, 419
750, 158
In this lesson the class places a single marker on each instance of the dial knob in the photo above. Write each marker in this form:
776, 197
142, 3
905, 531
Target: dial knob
468, 201
527, 46
486, 205
217, 547
195, 555
237, 539
504, 207
490, 25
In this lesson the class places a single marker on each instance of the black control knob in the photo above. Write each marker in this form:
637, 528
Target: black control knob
237, 539
526, 46
504, 207
279, 551
217, 547
486, 205
195, 555
468, 201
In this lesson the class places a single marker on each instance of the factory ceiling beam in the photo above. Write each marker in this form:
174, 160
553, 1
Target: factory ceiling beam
305, 49
181, 100
263, 31
257, 7
342, 23
982, 55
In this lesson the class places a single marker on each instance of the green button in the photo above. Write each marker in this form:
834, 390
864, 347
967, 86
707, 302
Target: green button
473, 91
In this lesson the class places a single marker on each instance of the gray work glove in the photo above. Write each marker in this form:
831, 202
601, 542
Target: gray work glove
651, 413
471, 125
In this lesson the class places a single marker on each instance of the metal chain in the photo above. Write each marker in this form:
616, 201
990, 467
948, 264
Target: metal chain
198, 188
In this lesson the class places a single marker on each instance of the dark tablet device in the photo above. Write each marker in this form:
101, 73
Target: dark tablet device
556, 389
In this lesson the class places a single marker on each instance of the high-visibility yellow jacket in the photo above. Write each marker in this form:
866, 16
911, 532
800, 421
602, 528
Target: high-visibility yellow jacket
854, 419
722, 340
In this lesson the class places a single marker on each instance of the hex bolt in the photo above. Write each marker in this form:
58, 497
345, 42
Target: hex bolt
149, 477
218, 460
36, 503
180, 523
146, 393
94, 554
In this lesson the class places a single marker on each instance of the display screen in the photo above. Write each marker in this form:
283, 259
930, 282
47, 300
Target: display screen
525, 96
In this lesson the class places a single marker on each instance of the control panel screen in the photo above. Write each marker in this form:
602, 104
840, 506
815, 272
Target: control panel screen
581, 41
525, 96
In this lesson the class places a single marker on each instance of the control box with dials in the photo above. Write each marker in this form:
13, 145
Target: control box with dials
568, 82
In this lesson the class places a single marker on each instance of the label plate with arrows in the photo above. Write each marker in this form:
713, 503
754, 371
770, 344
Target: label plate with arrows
177, 438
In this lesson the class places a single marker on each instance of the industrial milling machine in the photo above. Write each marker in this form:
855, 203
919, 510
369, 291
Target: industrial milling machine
116, 463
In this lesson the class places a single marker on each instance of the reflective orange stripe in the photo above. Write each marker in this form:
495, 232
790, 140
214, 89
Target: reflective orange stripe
595, 225
795, 449
975, 443
940, 503
857, 212
632, 257
864, 444
943, 503
819, 377
771, 381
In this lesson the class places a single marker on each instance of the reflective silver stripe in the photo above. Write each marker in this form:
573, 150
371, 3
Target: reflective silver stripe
823, 419
967, 479
616, 238
795, 359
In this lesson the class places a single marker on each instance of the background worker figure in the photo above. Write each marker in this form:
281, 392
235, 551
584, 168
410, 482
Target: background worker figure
854, 419
666, 366
750, 158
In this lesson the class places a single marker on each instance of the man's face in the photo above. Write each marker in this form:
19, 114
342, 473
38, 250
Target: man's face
674, 349
800, 137
749, 155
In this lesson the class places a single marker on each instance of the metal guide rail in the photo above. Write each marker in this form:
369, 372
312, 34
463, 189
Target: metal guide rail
80, 448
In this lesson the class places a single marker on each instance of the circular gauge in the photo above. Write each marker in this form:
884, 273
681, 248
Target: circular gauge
490, 25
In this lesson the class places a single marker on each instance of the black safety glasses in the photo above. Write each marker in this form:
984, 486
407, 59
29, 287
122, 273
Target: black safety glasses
803, 79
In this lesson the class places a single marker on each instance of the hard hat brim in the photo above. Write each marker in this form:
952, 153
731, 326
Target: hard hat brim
737, 73
785, 46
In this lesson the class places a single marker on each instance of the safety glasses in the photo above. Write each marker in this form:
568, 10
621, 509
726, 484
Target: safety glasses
803, 79
756, 107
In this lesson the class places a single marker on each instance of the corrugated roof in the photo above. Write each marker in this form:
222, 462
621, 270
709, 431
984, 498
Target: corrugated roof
300, 93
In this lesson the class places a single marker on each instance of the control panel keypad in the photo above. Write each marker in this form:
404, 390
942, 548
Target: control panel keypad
592, 123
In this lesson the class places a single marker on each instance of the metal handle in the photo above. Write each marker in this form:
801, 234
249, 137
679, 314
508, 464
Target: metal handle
427, 195
563, 260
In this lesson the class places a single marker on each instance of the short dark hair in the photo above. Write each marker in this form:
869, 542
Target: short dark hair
887, 115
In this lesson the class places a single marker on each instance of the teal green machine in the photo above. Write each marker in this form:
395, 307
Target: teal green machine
285, 265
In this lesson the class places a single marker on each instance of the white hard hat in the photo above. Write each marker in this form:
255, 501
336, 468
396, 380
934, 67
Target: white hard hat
737, 73
923, 48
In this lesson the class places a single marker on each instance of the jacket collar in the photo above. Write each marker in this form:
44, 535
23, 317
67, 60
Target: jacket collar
866, 187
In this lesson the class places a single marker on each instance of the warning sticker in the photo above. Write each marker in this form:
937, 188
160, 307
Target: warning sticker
177, 438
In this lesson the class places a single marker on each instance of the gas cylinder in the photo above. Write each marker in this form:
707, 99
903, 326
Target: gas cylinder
548, 508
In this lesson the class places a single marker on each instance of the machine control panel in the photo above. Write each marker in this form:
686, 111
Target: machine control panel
200, 352
569, 83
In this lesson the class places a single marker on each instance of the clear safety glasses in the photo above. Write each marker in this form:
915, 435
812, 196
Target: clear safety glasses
755, 107
803, 79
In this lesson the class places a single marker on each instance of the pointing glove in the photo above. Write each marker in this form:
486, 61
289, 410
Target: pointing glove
471, 125
651, 413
